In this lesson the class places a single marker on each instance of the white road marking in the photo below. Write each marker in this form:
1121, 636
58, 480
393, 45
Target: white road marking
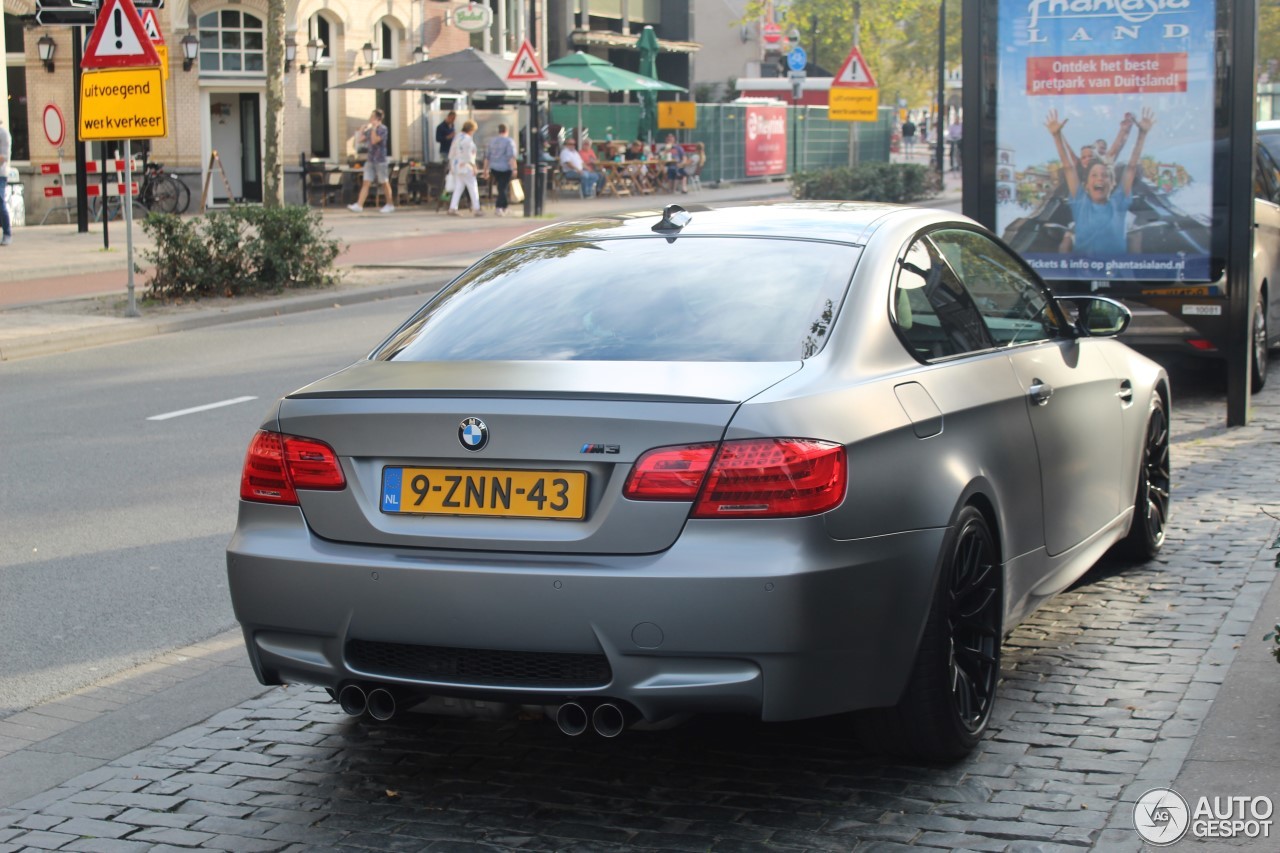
195, 409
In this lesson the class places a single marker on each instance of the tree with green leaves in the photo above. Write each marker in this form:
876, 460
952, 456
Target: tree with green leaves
898, 38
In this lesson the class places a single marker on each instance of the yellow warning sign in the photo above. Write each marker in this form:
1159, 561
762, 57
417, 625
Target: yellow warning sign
163, 50
677, 115
845, 104
122, 103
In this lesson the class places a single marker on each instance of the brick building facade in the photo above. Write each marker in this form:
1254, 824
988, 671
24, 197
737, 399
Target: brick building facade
219, 103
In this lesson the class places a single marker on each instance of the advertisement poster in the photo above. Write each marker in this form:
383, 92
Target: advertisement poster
1104, 137
766, 141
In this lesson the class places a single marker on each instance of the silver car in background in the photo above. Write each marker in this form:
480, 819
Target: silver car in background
783, 461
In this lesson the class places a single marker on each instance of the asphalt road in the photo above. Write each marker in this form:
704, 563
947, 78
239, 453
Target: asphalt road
113, 526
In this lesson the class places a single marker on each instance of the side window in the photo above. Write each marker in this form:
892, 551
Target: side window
934, 314
1015, 306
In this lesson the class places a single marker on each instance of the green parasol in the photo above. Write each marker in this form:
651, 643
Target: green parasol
606, 75
647, 44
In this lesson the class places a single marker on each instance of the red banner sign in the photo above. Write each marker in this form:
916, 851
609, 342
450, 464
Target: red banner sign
766, 141
1115, 74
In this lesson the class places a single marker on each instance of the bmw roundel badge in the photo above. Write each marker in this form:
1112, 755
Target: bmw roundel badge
473, 434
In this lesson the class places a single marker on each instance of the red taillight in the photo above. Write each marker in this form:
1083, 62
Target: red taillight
749, 478
774, 478
278, 464
1201, 344
669, 473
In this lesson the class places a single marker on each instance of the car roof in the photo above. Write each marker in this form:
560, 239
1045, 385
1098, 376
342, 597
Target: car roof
838, 222
1270, 124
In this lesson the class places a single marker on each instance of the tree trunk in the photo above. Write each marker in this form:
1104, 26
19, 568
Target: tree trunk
272, 162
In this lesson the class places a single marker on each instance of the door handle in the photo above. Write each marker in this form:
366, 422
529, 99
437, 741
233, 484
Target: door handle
1039, 392
1126, 391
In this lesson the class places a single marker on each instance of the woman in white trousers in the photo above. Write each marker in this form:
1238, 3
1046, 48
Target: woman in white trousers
462, 163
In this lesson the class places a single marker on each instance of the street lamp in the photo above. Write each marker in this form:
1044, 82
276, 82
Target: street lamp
368, 50
190, 50
315, 50
46, 48
290, 52
420, 54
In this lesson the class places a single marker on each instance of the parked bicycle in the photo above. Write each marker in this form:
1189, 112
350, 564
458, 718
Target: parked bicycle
158, 193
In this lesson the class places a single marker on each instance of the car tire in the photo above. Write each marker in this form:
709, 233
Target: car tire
1258, 361
946, 706
1151, 501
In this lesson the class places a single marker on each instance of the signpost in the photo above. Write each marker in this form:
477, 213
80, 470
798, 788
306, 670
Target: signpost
122, 96
854, 95
525, 67
78, 13
152, 25
677, 115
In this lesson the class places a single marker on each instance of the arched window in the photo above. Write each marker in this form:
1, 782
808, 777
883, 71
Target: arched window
320, 28
232, 41
388, 32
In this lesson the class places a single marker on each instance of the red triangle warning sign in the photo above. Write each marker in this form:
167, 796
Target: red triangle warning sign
525, 67
854, 73
152, 26
119, 40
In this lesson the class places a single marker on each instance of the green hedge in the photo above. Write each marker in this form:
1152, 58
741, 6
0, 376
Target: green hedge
902, 183
243, 250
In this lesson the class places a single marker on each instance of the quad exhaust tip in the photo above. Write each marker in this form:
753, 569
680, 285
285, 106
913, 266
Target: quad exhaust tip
352, 700
382, 704
572, 719
608, 720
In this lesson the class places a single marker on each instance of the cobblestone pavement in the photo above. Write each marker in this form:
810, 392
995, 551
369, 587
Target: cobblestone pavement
1104, 690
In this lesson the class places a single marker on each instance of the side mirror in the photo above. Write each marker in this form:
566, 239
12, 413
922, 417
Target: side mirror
1095, 316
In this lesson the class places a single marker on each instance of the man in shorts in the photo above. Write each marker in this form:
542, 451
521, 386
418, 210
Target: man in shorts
374, 136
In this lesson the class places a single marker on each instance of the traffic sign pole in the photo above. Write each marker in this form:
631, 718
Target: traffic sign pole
82, 181
131, 310
106, 207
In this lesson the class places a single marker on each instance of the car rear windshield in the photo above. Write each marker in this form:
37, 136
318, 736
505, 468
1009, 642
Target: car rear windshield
636, 299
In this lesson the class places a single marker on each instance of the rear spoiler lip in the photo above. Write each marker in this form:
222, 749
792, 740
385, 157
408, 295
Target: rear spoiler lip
489, 394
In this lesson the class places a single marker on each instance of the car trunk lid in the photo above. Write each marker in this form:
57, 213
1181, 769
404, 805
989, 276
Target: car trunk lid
510, 456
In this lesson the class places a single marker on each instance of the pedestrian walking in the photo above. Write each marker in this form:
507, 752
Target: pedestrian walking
908, 137
462, 164
954, 135
500, 163
6, 145
373, 136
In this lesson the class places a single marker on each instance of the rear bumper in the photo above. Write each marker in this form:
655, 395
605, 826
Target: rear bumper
771, 619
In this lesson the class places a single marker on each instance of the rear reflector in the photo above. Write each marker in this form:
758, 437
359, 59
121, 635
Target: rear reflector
276, 465
1201, 344
744, 478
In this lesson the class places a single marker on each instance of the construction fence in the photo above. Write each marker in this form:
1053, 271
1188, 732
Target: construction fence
813, 140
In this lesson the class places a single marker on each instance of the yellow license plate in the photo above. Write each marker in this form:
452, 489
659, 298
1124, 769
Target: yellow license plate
496, 493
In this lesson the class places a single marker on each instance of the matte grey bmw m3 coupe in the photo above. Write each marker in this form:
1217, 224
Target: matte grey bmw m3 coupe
783, 461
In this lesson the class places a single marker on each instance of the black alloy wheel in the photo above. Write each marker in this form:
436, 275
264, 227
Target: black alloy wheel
973, 622
1151, 503
1258, 363
947, 704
